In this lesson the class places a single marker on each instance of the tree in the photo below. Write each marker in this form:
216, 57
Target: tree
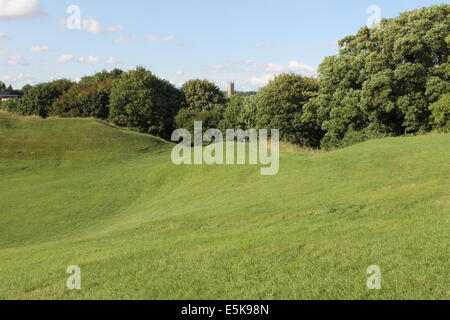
202, 95
232, 115
39, 99
280, 106
385, 78
203, 101
144, 102
240, 112
26, 87
88, 98
440, 111
9, 105
210, 118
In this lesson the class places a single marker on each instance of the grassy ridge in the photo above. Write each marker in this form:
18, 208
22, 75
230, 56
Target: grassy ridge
78, 192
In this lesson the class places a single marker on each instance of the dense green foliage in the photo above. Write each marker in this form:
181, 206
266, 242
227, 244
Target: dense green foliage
234, 114
79, 192
440, 111
88, 98
385, 78
280, 106
141, 101
9, 105
38, 100
202, 95
203, 101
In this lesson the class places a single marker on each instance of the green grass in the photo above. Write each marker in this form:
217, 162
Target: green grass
79, 192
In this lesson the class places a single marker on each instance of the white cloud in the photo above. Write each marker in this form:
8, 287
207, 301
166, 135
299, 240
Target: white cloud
272, 67
218, 66
301, 68
65, 58
3, 36
16, 60
180, 72
18, 81
3, 52
111, 60
17, 9
125, 38
251, 75
259, 46
93, 26
333, 44
293, 66
89, 60
160, 39
261, 80
39, 48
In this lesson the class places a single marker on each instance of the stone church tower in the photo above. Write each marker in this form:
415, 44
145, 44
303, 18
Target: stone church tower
230, 89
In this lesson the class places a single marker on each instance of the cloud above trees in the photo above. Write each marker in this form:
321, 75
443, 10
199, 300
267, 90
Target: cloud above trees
20, 9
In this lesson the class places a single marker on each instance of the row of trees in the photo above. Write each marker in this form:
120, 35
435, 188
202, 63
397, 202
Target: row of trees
3, 87
386, 81
389, 80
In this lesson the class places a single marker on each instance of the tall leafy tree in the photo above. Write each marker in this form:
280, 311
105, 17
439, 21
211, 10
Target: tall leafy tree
144, 102
202, 101
280, 105
202, 95
385, 79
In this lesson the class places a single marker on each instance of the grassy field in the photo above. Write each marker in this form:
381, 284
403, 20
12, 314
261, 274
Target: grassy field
79, 192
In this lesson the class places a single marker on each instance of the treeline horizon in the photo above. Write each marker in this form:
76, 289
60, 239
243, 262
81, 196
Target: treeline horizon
388, 80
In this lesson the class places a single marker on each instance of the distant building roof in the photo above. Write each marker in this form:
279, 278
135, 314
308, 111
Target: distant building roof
6, 94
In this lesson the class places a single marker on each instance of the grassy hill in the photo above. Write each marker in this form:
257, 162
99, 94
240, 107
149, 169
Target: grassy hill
79, 192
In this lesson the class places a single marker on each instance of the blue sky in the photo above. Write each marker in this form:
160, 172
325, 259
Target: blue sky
247, 41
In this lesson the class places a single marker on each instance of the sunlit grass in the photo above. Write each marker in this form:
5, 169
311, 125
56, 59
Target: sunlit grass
79, 192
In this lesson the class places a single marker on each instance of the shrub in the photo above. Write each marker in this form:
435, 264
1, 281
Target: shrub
9, 105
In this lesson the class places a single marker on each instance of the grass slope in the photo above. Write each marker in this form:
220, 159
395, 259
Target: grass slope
78, 192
